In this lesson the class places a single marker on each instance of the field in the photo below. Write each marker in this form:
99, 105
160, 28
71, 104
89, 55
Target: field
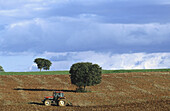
147, 91
67, 72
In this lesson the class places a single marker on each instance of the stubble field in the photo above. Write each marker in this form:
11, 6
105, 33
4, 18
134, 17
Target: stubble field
149, 91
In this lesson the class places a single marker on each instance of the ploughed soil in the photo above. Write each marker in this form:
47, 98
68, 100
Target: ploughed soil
117, 92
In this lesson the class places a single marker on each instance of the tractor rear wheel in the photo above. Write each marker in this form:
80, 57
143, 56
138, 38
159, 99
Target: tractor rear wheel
47, 103
62, 102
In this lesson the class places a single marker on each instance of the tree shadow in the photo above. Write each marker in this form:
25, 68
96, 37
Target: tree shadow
37, 103
25, 89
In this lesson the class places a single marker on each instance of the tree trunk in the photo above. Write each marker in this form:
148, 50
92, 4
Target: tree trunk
84, 88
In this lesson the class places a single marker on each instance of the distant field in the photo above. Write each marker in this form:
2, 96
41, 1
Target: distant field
67, 72
36, 73
134, 70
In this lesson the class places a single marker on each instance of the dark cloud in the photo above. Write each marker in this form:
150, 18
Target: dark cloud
41, 35
117, 11
60, 58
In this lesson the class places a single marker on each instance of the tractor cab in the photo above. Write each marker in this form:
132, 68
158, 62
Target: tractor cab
58, 94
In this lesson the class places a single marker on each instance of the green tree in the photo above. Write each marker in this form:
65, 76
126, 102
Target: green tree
47, 64
43, 63
1, 69
85, 74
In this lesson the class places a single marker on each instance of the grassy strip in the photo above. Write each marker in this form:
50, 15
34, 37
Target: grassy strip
67, 72
36, 73
134, 70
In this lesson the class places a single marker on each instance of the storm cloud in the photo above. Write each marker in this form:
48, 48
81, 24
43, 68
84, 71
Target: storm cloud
73, 34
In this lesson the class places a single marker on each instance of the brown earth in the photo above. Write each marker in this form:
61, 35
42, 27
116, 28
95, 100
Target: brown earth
132, 91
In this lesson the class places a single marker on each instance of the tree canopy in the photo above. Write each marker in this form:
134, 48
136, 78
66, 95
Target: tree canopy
85, 74
1, 69
43, 63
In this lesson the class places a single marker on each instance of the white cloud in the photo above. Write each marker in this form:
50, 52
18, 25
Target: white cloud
62, 61
109, 60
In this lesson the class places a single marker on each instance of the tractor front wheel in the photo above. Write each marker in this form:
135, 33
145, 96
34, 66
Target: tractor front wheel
62, 102
47, 103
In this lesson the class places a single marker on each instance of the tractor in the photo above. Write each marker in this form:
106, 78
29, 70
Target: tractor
57, 98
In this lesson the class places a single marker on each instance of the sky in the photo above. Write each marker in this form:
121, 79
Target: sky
116, 34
